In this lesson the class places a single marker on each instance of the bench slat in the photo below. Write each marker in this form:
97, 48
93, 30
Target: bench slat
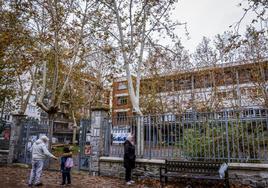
192, 167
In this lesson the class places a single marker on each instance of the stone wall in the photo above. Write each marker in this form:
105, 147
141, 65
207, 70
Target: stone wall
253, 175
248, 174
113, 166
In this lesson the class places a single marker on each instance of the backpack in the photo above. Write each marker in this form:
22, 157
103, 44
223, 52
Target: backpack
69, 163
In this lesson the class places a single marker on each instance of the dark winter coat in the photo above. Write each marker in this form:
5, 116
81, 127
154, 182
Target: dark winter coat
63, 159
129, 155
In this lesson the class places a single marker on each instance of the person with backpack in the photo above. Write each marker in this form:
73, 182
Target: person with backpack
66, 165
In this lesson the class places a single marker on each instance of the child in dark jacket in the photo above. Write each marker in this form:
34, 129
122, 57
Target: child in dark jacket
66, 168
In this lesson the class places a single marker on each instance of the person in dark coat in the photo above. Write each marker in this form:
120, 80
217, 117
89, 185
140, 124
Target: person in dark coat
129, 158
66, 171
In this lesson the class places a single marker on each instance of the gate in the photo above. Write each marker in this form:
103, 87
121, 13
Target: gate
84, 144
31, 130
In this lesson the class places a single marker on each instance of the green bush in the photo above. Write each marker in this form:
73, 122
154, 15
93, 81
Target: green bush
246, 141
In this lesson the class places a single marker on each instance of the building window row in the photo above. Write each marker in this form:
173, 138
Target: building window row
207, 80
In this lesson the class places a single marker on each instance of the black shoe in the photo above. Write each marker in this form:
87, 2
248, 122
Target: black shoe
38, 184
30, 185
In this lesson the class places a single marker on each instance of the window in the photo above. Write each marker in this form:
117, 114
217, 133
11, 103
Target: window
177, 85
229, 77
245, 76
207, 81
255, 92
188, 116
222, 94
248, 113
31, 108
183, 83
33, 98
160, 85
169, 85
7, 117
121, 100
235, 96
122, 85
121, 116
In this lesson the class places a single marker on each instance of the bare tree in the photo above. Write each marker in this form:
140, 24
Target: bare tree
257, 7
136, 23
60, 29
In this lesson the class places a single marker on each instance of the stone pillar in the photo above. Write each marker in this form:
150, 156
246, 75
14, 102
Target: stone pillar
98, 117
15, 136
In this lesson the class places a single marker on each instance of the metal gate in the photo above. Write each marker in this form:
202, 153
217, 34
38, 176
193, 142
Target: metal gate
84, 144
31, 130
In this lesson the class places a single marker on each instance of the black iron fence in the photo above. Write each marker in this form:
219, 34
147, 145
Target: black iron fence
84, 144
227, 135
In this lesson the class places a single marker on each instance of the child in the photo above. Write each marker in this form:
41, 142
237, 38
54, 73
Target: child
66, 165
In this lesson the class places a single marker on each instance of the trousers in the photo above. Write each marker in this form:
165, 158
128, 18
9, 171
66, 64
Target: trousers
128, 174
36, 172
66, 175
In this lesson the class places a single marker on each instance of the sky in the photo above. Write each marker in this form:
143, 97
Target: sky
208, 18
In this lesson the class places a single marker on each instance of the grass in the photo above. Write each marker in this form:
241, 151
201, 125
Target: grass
59, 149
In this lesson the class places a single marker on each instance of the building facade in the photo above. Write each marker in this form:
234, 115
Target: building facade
229, 86
121, 104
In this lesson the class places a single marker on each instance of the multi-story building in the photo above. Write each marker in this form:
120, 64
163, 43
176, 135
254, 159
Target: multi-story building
121, 104
236, 85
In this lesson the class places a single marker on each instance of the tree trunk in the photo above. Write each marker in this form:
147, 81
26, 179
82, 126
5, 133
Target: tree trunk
74, 128
74, 134
14, 137
51, 118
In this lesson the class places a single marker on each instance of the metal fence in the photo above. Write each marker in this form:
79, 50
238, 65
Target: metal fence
84, 144
227, 135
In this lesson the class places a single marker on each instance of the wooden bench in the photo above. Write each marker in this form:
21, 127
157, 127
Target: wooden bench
199, 170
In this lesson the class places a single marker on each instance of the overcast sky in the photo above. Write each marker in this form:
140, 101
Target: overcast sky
208, 18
